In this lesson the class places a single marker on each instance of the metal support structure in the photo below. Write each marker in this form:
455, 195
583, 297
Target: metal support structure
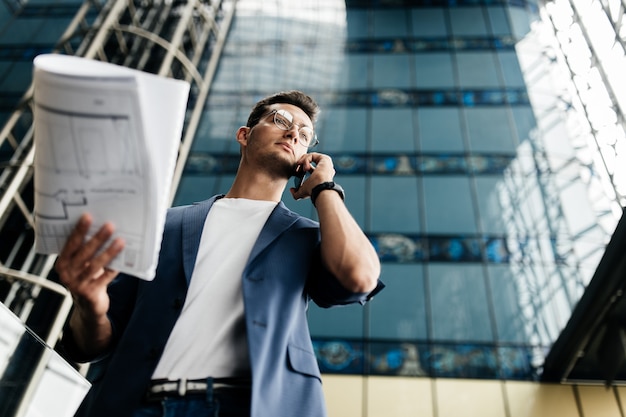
596, 64
182, 40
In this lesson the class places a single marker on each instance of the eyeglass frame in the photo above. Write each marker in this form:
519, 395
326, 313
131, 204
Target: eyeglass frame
314, 140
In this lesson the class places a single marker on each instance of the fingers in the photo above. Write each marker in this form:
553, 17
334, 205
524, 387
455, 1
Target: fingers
83, 259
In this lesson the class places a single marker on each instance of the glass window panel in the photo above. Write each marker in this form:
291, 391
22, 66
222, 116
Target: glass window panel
343, 322
489, 190
390, 23
392, 130
459, 303
434, 70
394, 204
448, 205
302, 207
477, 70
354, 75
440, 130
511, 70
18, 78
354, 187
490, 130
509, 306
524, 121
391, 71
428, 22
355, 196
499, 21
200, 187
357, 23
400, 314
216, 131
342, 129
228, 75
467, 21
520, 21
50, 30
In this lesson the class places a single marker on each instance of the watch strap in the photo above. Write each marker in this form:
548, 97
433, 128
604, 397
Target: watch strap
329, 185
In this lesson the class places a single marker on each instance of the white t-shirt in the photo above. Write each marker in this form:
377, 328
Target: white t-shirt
209, 338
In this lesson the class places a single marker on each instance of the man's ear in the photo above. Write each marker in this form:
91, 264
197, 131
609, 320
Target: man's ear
242, 135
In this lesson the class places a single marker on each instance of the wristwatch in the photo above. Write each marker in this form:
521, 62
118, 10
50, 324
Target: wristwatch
330, 185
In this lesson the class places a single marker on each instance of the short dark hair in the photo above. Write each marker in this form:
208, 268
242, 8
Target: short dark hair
293, 97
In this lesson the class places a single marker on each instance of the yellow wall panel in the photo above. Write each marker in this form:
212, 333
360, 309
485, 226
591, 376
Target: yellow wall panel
344, 395
621, 392
530, 399
399, 397
469, 398
597, 401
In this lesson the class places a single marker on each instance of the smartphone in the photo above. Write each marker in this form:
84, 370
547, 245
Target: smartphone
299, 177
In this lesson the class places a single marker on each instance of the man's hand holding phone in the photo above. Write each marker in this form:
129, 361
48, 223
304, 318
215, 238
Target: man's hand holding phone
312, 169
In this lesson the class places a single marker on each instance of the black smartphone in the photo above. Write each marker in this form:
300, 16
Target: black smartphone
299, 177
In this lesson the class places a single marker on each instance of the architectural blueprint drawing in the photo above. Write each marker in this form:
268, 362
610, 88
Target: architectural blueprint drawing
106, 142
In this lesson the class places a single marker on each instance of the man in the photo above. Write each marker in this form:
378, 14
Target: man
221, 330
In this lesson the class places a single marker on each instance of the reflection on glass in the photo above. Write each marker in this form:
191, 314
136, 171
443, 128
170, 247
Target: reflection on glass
34, 380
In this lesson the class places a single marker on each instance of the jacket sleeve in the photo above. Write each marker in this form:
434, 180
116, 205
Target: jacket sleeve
326, 290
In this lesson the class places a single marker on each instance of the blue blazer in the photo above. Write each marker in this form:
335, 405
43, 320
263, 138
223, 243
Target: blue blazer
284, 271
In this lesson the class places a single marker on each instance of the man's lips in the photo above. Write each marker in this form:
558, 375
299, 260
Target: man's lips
287, 147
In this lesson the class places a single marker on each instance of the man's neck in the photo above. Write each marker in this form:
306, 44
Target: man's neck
257, 186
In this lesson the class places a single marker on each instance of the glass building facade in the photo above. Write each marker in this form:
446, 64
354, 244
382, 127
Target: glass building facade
460, 131
486, 243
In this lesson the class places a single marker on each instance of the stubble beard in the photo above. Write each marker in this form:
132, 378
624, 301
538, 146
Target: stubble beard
277, 166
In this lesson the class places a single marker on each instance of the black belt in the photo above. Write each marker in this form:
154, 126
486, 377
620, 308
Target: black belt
161, 388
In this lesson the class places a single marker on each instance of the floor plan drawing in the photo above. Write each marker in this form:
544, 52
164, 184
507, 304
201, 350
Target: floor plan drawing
101, 148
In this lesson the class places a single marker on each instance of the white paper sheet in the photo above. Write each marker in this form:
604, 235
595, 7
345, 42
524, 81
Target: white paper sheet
106, 140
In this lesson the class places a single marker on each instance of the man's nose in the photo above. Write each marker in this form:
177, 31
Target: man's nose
293, 133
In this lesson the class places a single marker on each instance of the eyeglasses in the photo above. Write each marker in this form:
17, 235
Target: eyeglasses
284, 121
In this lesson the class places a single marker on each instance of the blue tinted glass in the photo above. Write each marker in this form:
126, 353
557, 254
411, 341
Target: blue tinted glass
355, 196
392, 130
394, 205
440, 130
477, 70
498, 21
357, 23
390, 23
343, 129
520, 22
468, 21
391, 71
489, 192
345, 322
197, 188
216, 131
434, 70
459, 303
524, 121
401, 313
354, 73
428, 22
509, 305
448, 205
17, 79
490, 129
511, 70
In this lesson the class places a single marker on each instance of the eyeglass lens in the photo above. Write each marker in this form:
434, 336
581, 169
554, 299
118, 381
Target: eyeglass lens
283, 119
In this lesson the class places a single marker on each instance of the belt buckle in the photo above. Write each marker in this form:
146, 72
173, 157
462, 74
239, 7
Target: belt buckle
182, 387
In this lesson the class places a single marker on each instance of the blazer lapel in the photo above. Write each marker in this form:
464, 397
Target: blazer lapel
280, 220
193, 223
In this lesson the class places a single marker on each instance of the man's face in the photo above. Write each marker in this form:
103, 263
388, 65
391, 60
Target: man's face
277, 149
